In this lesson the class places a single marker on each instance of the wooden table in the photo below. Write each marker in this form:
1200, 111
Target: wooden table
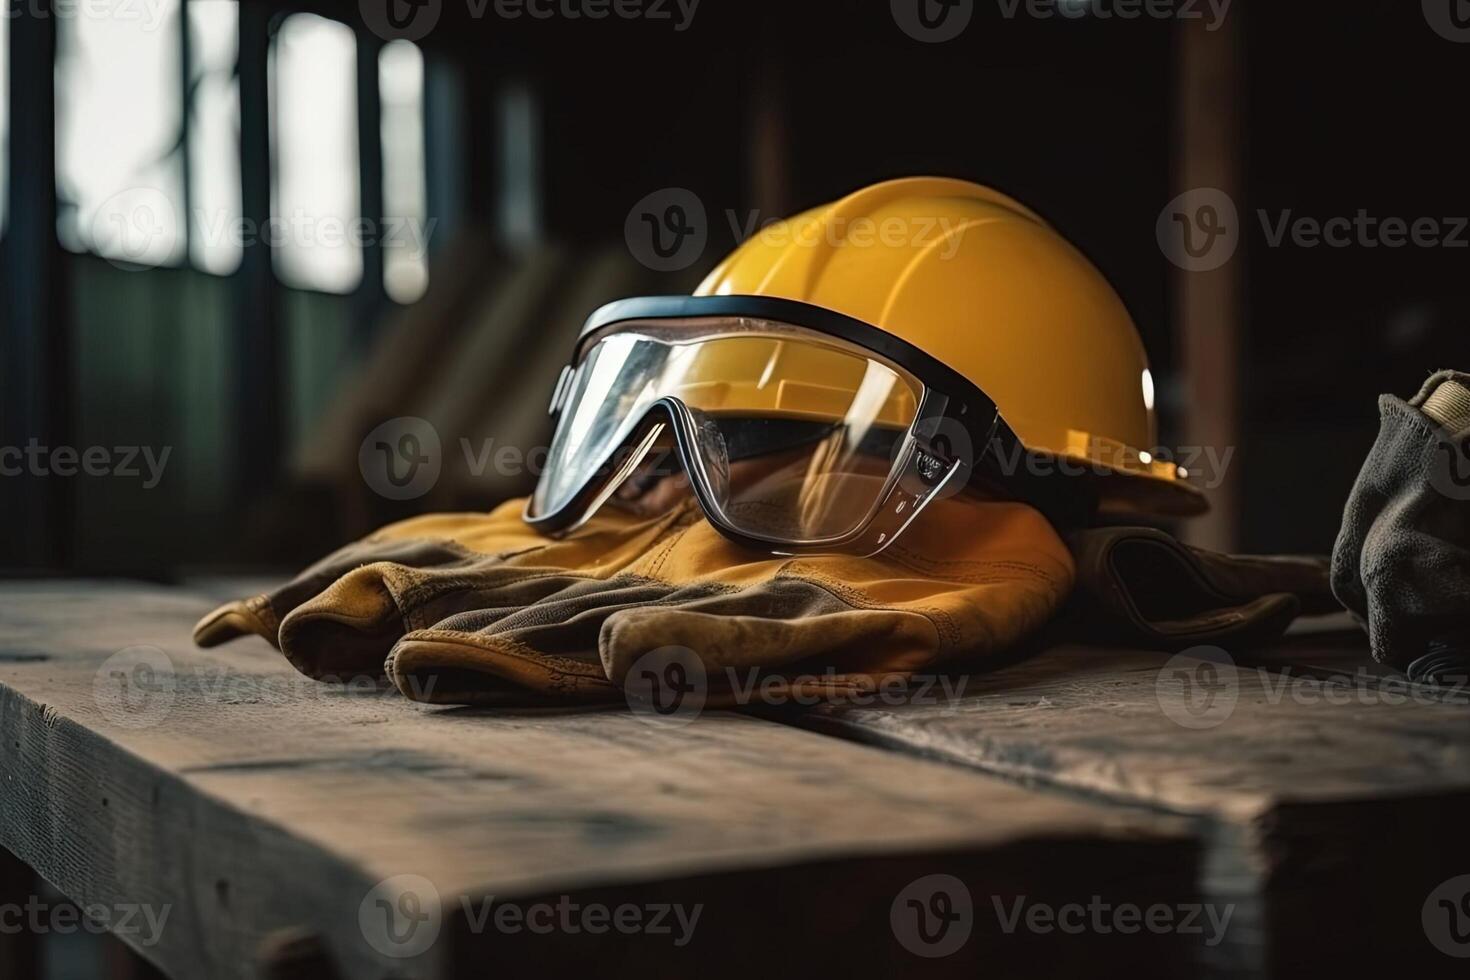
288, 825
1335, 795
277, 821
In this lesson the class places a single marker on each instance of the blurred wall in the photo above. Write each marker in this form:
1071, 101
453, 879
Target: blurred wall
528, 144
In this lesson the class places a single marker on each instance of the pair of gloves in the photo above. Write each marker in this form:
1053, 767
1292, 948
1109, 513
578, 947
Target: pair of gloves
480, 609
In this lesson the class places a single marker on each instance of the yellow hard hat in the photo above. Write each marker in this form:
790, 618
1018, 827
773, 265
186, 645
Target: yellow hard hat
982, 284
843, 369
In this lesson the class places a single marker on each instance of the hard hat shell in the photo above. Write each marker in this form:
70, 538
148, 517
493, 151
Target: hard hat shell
982, 284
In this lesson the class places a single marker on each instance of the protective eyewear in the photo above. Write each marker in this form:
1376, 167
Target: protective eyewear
799, 430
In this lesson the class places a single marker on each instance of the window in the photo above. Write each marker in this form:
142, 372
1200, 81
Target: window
215, 230
406, 229
141, 182
119, 169
316, 228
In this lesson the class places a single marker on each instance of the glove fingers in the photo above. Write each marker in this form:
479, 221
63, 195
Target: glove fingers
352, 625
244, 617
452, 667
263, 614
1259, 621
427, 541
578, 585
779, 624
561, 660
548, 645
568, 622
345, 631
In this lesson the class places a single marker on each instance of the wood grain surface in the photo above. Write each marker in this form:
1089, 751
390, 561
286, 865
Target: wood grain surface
258, 806
1338, 790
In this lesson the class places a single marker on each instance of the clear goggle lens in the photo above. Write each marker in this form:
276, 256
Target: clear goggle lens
793, 437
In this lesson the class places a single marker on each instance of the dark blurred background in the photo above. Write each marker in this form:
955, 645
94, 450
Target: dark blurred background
246, 235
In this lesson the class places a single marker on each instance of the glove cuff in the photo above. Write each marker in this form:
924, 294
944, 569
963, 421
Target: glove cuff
1445, 399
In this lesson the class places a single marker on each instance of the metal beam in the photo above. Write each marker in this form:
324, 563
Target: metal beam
367, 304
35, 382
258, 395
1208, 303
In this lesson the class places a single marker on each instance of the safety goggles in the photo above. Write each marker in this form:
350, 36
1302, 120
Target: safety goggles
799, 430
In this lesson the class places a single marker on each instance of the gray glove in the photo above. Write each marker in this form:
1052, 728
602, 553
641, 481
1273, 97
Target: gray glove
1402, 560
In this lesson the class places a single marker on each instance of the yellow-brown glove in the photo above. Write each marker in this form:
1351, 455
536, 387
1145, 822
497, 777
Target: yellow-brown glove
412, 574
479, 609
969, 578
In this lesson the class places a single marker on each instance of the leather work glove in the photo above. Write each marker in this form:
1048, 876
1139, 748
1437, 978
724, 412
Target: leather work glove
1138, 586
968, 579
366, 595
1402, 560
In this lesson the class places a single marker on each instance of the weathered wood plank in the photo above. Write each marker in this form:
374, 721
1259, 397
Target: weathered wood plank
1339, 797
257, 806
